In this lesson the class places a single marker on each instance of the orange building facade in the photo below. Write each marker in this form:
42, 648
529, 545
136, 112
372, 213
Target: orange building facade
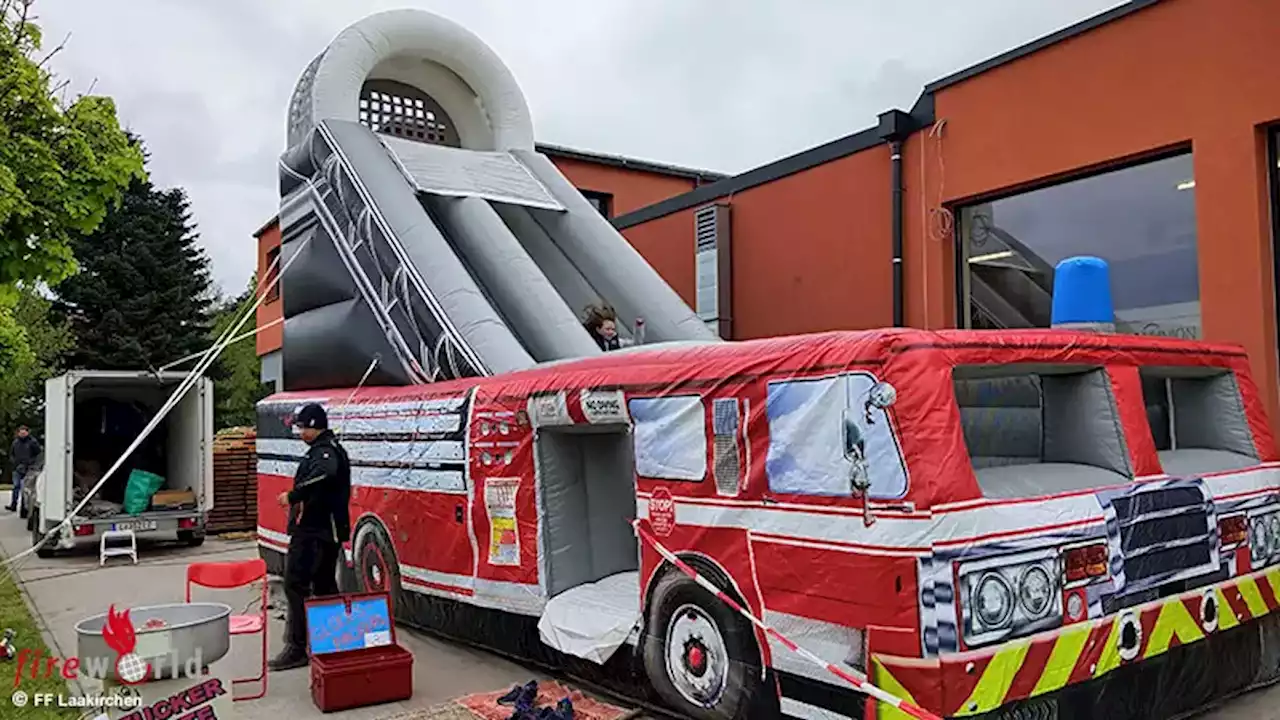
1146, 135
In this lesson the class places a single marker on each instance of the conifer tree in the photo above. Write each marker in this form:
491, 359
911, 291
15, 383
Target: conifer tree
143, 294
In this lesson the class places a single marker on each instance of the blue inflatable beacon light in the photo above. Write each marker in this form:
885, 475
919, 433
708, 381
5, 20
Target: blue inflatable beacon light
1082, 295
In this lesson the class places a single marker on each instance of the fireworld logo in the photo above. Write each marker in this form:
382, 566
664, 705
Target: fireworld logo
129, 667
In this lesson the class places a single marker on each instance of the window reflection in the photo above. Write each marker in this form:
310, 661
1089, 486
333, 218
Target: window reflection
1140, 219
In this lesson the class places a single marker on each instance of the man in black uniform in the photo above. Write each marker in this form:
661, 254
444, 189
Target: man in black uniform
319, 522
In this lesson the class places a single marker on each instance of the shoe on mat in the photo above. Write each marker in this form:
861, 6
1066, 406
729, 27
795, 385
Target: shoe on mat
510, 697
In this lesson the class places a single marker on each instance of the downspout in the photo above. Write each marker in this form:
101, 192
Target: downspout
895, 209
895, 126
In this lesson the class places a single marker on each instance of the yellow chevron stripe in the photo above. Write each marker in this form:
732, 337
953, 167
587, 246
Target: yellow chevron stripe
994, 684
1174, 621
1273, 578
1062, 660
1110, 659
1226, 616
887, 682
1253, 597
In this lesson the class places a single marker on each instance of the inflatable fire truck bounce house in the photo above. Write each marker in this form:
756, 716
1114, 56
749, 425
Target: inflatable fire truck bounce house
889, 524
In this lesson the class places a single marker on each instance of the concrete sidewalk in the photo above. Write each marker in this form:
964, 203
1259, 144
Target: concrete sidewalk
65, 590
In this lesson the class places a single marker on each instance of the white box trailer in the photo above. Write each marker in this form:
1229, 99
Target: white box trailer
91, 417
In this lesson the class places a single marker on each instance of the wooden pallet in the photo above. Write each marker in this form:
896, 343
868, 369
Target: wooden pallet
235, 481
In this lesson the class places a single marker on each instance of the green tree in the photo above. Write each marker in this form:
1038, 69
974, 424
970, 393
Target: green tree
142, 297
239, 387
48, 338
62, 165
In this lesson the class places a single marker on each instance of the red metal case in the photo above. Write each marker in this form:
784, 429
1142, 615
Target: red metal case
355, 660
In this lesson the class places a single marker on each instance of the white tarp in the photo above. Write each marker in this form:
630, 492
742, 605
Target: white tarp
592, 621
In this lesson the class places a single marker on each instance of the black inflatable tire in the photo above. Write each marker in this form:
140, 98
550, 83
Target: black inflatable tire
370, 536
673, 592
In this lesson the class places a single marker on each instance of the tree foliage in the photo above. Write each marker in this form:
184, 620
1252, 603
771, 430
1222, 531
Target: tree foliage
240, 386
62, 165
47, 338
142, 297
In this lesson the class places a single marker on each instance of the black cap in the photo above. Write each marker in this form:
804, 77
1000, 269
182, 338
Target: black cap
311, 416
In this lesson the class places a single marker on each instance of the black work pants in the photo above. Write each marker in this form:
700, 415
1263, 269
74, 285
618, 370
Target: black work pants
311, 570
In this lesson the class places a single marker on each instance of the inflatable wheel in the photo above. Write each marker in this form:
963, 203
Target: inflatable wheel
699, 654
375, 562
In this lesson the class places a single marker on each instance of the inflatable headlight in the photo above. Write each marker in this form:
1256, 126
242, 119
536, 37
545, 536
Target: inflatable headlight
1035, 591
993, 601
1260, 538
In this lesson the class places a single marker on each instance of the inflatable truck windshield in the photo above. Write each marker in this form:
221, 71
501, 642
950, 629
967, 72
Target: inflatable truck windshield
881, 524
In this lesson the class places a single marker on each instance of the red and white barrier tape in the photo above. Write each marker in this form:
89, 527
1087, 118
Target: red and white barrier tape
857, 679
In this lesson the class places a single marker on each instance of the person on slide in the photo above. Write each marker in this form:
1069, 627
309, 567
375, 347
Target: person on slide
602, 323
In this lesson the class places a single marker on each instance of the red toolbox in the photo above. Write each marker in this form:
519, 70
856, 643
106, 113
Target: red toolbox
355, 660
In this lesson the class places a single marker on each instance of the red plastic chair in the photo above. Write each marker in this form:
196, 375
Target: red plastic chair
228, 576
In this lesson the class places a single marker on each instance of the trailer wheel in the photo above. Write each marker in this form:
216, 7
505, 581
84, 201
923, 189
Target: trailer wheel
698, 653
375, 562
38, 541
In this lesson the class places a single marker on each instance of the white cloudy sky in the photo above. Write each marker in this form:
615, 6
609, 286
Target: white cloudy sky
719, 84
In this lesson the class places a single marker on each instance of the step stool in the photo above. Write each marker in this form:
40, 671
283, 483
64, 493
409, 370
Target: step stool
130, 550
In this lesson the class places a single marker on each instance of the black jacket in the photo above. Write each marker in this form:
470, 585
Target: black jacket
321, 494
24, 452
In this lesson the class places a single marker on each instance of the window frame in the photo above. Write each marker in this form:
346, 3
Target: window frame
272, 273
602, 201
960, 250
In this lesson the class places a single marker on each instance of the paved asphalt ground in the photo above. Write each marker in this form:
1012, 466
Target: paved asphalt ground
65, 590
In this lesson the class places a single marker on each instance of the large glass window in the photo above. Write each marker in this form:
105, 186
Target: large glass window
1141, 219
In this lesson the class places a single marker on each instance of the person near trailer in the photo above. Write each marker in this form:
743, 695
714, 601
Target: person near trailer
602, 323
319, 522
23, 454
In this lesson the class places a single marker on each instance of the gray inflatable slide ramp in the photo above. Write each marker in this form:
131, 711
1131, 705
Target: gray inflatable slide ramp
421, 228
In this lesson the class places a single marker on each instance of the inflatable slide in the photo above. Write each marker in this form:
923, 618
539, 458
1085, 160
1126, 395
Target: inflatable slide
420, 226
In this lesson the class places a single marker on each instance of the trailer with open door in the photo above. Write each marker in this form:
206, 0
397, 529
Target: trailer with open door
91, 419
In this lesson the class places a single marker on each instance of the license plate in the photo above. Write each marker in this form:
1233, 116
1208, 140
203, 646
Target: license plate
135, 525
